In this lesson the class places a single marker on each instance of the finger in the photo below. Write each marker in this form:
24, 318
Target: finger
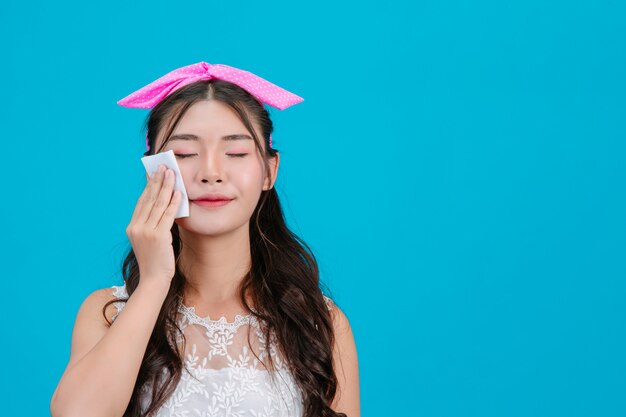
169, 199
141, 201
150, 196
168, 216
162, 201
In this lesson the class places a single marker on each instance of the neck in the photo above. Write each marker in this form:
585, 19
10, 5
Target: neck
214, 265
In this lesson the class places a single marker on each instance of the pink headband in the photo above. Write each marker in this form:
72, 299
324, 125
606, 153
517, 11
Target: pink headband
150, 95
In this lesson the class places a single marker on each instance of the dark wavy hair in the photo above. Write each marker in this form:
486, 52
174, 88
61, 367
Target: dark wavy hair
283, 280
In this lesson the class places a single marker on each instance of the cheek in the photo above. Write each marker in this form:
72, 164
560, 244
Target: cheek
246, 184
253, 179
248, 175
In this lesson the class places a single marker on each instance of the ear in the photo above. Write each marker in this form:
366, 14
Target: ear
274, 161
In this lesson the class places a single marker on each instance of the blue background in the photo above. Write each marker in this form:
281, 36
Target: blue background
457, 167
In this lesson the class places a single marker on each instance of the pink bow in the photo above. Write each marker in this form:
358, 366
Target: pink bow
150, 95
266, 92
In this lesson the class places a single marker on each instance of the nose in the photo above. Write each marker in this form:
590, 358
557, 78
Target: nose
210, 167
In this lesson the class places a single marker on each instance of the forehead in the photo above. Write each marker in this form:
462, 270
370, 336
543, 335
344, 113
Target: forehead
211, 120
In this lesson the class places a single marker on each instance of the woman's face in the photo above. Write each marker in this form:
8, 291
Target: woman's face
212, 164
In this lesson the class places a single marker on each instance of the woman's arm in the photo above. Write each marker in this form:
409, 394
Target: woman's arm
104, 361
346, 366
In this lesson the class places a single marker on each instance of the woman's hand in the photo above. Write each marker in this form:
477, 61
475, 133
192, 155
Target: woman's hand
149, 230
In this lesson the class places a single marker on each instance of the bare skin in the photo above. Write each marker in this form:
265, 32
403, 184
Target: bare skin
216, 241
105, 360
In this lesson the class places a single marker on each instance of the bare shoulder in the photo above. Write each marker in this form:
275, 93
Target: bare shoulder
92, 305
341, 324
90, 325
345, 363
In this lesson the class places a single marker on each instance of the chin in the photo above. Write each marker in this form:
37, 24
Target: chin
208, 226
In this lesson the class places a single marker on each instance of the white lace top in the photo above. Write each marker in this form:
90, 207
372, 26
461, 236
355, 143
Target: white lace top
222, 377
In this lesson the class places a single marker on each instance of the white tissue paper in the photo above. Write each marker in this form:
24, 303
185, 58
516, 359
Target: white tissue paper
152, 162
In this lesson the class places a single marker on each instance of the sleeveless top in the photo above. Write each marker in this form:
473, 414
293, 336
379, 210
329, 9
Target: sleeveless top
221, 374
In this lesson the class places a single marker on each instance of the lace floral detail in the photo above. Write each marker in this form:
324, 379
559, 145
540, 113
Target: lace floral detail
329, 302
119, 292
225, 372
220, 325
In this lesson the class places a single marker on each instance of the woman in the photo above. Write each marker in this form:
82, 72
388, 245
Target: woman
280, 347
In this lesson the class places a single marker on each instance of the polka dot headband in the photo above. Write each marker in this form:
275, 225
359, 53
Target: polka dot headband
150, 95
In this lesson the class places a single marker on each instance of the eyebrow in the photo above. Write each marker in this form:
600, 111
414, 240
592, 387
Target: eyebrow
189, 136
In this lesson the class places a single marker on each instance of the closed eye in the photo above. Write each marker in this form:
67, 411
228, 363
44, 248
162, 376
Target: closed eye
187, 155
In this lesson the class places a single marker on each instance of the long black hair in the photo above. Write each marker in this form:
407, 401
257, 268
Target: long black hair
283, 281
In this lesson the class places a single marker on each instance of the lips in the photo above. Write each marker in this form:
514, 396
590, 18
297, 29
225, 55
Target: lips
213, 197
211, 203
